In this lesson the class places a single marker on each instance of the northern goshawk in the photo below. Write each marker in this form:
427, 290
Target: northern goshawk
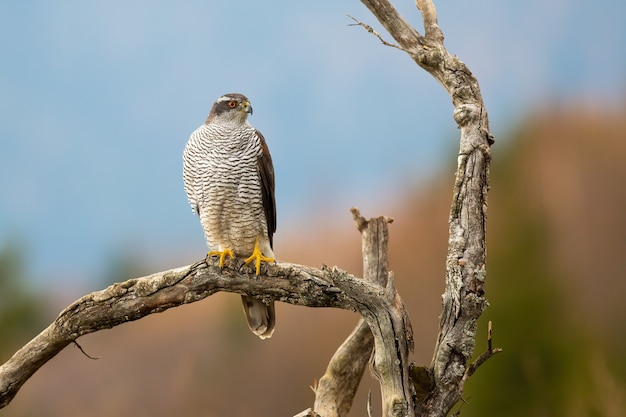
229, 180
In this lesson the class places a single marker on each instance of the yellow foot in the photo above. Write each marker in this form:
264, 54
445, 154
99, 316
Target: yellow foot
257, 257
222, 254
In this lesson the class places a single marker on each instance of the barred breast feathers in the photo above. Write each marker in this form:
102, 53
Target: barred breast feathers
219, 147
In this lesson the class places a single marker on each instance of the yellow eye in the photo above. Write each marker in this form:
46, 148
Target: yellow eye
232, 104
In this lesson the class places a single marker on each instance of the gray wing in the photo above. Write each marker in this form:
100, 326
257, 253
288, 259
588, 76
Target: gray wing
190, 167
266, 172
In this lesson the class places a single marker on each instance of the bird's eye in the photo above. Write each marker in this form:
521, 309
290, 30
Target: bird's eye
232, 104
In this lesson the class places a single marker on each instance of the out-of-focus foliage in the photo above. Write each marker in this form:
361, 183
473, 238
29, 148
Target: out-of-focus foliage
546, 283
20, 311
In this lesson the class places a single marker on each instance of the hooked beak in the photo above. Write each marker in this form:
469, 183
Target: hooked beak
246, 107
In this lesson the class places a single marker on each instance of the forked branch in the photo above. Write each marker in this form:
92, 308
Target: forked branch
375, 298
463, 299
291, 283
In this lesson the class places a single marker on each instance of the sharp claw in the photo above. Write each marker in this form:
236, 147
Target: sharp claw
257, 257
222, 254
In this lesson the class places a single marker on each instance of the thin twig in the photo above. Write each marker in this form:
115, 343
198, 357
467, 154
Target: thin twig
484, 356
489, 348
373, 32
95, 358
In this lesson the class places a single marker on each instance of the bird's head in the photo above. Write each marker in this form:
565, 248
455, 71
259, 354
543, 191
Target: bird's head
230, 108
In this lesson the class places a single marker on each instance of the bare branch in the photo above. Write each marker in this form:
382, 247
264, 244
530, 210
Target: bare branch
371, 30
430, 54
483, 357
385, 324
407, 37
463, 299
429, 16
95, 358
336, 389
387, 358
137, 298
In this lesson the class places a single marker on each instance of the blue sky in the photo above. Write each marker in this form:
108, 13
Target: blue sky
97, 100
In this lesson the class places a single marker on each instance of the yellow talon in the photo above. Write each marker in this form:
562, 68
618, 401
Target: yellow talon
222, 254
257, 257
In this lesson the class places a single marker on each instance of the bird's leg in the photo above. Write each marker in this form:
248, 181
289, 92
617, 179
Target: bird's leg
257, 257
222, 254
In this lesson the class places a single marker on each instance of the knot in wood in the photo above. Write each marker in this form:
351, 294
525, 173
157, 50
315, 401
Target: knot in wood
466, 113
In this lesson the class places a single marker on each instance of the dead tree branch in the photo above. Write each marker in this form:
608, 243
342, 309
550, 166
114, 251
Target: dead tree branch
295, 284
463, 299
483, 357
336, 389
385, 328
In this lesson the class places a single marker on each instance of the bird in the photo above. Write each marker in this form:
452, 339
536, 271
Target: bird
228, 176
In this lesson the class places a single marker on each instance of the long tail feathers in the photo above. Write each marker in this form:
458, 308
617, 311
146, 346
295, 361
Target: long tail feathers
260, 316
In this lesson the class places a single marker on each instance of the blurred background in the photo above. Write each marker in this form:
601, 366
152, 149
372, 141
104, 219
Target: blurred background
97, 101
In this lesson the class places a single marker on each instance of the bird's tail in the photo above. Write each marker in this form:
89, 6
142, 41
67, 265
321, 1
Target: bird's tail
261, 317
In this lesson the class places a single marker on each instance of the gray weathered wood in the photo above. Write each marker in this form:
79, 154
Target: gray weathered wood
136, 298
437, 387
336, 389
463, 299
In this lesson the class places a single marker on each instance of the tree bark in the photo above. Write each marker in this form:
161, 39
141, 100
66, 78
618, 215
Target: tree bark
291, 283
406, 390
463, 299
336, 389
